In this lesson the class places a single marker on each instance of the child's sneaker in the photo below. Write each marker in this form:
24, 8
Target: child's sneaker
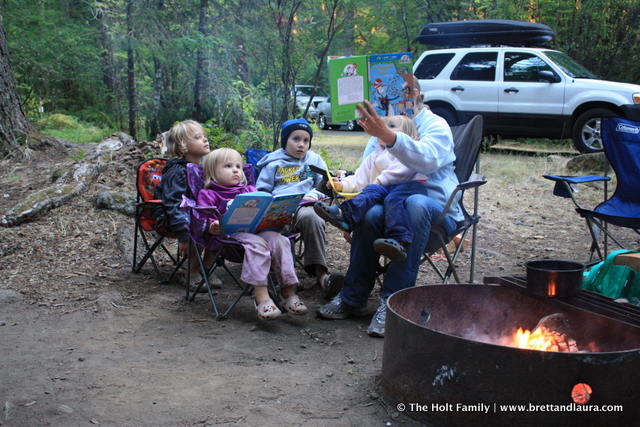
390, 248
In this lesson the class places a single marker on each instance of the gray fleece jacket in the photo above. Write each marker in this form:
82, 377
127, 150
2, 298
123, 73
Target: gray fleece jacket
283, 174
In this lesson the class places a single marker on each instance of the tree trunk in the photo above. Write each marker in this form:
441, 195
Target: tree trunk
112, 106
131, 71
199, 88
14, 125
154, 125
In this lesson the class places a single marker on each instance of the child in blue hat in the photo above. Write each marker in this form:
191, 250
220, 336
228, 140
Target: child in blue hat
286, 171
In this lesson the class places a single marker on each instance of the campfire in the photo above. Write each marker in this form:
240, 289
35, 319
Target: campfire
552, 333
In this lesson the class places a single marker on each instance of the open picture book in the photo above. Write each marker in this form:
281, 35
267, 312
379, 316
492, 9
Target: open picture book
386, 80
259, 211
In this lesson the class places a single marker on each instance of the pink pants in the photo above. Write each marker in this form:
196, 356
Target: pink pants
263, 252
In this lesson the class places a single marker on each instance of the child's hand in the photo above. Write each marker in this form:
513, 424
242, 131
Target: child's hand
336, 184
214, 227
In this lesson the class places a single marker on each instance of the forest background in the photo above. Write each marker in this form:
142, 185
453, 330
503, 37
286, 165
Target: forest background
138, 66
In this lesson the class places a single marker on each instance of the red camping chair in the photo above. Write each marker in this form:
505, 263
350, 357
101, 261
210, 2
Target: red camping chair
149, 219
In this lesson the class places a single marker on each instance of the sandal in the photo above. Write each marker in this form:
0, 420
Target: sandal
294, 306
390, 248
194, 281
331, 214
267, 310
215, 281
332, 285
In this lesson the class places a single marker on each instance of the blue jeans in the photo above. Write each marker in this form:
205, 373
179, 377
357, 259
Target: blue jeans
397, 222
361, 275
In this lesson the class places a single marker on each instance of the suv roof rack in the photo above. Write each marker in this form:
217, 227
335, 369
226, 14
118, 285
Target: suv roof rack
490, 32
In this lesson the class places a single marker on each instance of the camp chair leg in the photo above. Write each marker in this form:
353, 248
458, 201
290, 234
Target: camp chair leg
149, 255
472, 265
592, 222
594, 240
451, 269
427, 257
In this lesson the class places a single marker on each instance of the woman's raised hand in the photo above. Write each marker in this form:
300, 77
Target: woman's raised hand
373, 124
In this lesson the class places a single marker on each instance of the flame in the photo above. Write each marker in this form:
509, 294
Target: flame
532, 341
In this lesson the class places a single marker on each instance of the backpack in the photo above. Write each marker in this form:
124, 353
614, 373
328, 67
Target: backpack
614, 281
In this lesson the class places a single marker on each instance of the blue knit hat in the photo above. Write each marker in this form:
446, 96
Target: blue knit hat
292, 125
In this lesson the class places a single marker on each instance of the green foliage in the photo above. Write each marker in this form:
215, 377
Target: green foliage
218, 137
70, 129
71, 56
58, 121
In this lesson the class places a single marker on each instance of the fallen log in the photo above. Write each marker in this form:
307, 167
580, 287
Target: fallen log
74, 181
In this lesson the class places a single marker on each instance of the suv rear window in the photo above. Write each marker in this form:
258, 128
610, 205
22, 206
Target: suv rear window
476, 66
432, 65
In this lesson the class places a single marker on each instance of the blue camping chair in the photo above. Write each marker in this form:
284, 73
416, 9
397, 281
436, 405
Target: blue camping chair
253, 156
621, 141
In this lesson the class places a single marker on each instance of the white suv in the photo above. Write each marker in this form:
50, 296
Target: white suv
523, 91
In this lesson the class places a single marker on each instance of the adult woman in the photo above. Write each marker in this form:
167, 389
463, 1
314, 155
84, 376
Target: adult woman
431, 155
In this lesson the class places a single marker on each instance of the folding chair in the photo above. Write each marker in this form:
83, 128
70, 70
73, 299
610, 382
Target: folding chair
253, 156
150, 219
467, 139
621, 142
223, 248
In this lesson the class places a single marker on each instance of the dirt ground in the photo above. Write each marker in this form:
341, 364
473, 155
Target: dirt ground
84, 341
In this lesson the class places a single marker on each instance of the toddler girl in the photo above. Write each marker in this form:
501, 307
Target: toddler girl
268, 250
380, 179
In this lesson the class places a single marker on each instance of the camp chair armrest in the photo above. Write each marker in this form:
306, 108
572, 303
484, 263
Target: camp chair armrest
577, 179
478, 180
564, 186
475, 180
212, 209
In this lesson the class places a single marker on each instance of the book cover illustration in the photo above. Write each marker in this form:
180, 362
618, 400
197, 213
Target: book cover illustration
349, 86
258, 211
391, 83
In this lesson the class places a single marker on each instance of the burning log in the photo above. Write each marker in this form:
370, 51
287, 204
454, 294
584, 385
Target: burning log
556, 328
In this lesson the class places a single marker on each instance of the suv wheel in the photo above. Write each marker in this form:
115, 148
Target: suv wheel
352, 125
586, 130
322, 122
450, 116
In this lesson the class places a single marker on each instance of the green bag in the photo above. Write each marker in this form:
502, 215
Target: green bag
614, 281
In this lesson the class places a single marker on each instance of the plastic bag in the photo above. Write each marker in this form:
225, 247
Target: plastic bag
614, 281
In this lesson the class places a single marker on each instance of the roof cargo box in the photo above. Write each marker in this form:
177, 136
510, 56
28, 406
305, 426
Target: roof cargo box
486, 32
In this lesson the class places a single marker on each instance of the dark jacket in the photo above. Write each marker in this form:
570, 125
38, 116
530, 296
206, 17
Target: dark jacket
174, 185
